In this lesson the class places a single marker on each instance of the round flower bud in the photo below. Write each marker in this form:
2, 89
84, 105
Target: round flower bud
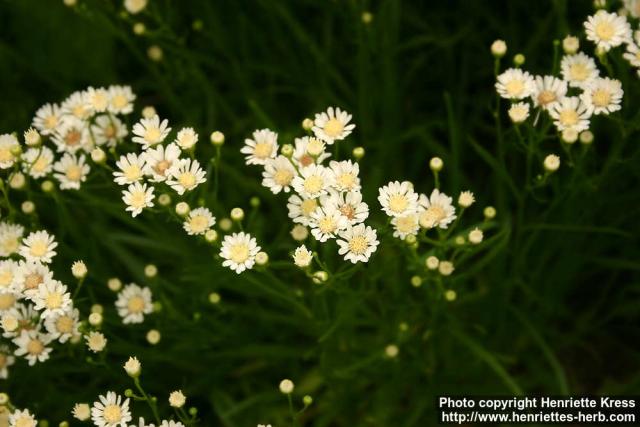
182, 209
570, 45
214, 298
432, 262
32, 137
569, 136
17, 181
519, 112
466, 199
211, 235
148, 112
197, 25
286, 386
262, 258
139, 28
95, 319
391, 351
217, 138
150, 270
299, 232
416, 281
237, 214
459, 240
445, 268
475, 236
155, 53
98, 155
489, 212
4, 398
28, 207
436, 164
367, 17
132, 367
358, 153
586, 137
551, 163
153, 336
518, 60
97, 308
315, 147
63, 424
79, 269
320, 277
96, 341
254, 202
177, 399
498, 48
307, 400
287, 150
307, 124
114, 284
403, 326
81, 411
164, 199
47, 186
450, 295
225, 224
411, 239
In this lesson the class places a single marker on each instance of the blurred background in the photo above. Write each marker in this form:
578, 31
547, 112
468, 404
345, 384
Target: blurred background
551, 308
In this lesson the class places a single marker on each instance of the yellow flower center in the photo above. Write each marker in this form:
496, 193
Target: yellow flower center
73, 173
112, 414
239, 253
152, 135
327, 225
313, 184
406, 224
601, 97
53, 300
40, 165
358, 245
5, 155
132, 172
348, 211
119, 101
432, 216
35, 347
569, 117
514, 87
283, 177
308, 206
545, 97
579, 71
136, 304
100, 101
6, 277
10, 245
39, 248
138, 199
51, 122
79, 111
398, 203
73, 137
187, 180
6, 301
333, 127
347, 180
162, 166
262, 150
199, 223
605, 31
64, 324
33, 280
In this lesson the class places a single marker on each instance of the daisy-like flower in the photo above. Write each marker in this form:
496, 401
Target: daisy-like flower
349, 204
96, 341
571, 113
302, 257
29, 275
398, 198
186, 138
130, 169
138, 196
63, 326
33, 346
199, 221
607, 30
98, 99
300, 209
515, 84
519, 112
8, 302
578, 69
263, 146
150, 132
52, 298
76, 105
38, 162
6, 360
278, 174
111, 411
27, 319
326, 223
133, 303
10, 238
603, 95
406, 225
108, 130
71, 171
357, 243
72, 135
239, 251
185, 175
47, 119
8, 143
22, 419
345, 175
309, 151
121, 99
38, 246
548, 91
313, 181
159, 160
436, 210
332, 125
8, 282
633, 54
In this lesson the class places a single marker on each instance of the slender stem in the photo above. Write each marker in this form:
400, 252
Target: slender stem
151, 403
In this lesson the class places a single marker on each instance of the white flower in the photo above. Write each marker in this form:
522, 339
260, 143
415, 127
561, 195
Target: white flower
52, 298
6, 360
607, 30
8, 277
515, 84
332, 125
239, 251
278, 174
603, 95
349, 204
29, 275
405, 225
313, 181
263, 146
38, 246
135, 6
141, 423
133, 303
171, 423
71, 171
24, 316
633, 54
76, 105
149, 132
302, 257
95, 341
10, 238
185, 175
300, 209
98, 99
8, 143
47, 118
130, 169
398, 198
38, 162
548, 91
159, 160
110, 411
436, 210
137, 197
63, 326
186, 138
121, 99
177, 399
304, 147
22, 419
71, 135
108, 130
132, 367
519, 112
81, 411
357, 243
551, 163
199, 221
571, 113
326, 223
33, 346
578, 69
345, 175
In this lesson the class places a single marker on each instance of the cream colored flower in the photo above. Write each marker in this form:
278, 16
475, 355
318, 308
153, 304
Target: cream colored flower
239, 251
133, 303
332, 125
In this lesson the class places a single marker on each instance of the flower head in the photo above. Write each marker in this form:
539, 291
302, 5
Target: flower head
332, 125
239, 251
